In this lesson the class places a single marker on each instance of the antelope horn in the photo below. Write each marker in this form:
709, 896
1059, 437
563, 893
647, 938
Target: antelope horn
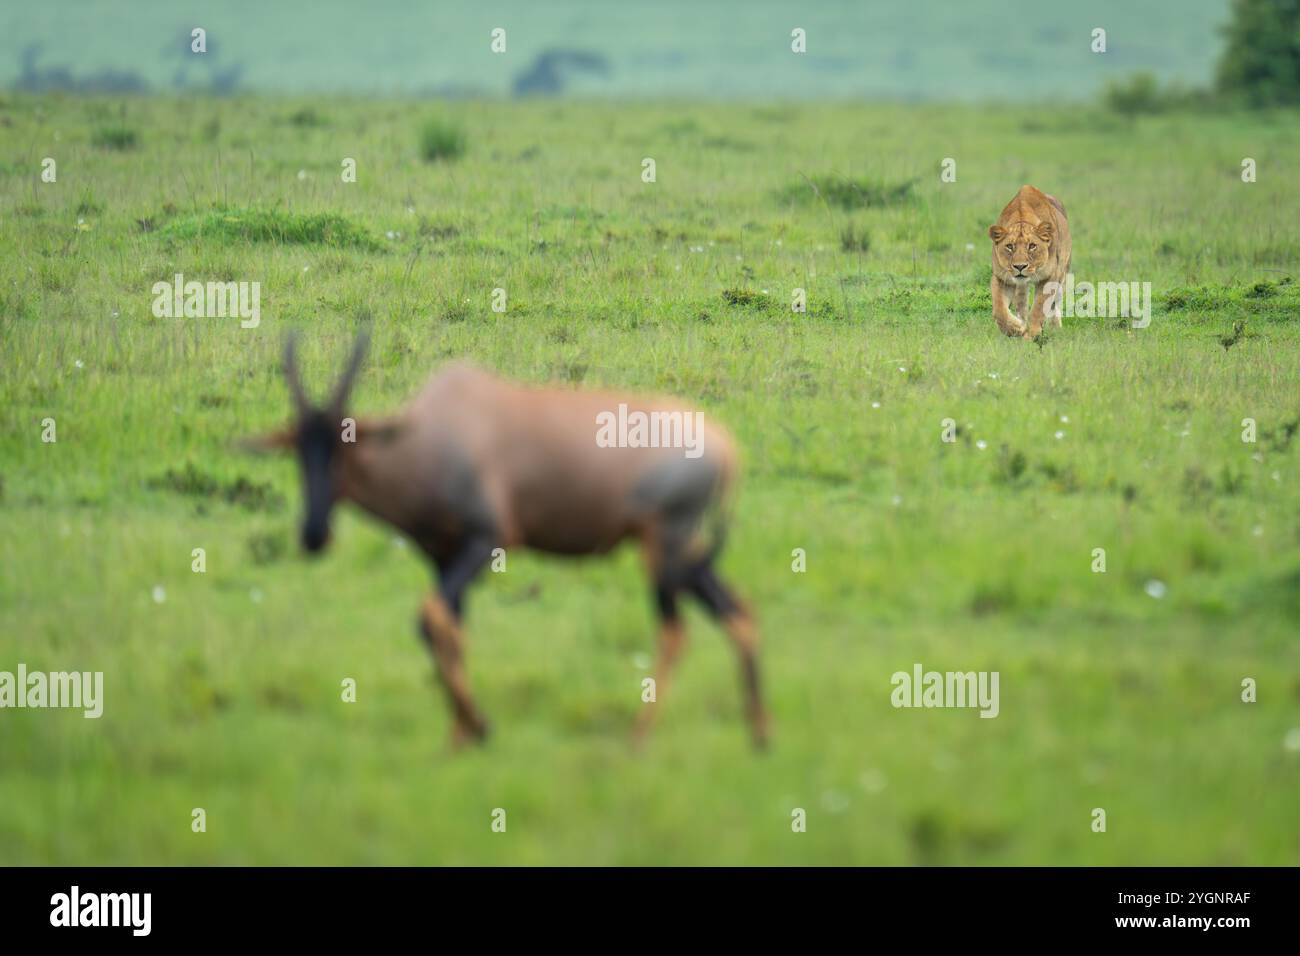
291, 373
350, 373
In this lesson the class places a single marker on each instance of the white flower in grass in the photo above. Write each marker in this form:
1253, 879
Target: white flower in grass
1291, 742
872, 781
834, 801
1156, 589
159, 594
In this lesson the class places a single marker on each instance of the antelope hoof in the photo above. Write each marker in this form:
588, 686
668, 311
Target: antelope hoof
463, 735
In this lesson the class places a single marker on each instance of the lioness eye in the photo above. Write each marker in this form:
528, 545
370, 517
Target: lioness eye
1032, 247
1010, 247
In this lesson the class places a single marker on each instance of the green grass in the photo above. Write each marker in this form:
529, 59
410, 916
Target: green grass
973, 555
226, 226
440, 140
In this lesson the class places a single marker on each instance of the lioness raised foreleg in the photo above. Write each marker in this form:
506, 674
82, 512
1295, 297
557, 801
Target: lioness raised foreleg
1008, 323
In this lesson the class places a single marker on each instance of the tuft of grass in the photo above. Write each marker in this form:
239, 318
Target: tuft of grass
849, 193
748, 299
194, 483
441, 141
272, 225
854, 239
120, 138
306, 118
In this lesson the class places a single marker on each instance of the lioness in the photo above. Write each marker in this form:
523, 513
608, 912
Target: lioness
1031, 244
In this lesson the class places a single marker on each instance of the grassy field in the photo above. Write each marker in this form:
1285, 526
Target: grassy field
222, 690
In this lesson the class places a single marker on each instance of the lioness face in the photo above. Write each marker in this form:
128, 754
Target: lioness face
1020, 249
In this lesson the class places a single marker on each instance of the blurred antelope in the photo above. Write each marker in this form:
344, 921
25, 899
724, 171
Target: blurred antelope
476, 463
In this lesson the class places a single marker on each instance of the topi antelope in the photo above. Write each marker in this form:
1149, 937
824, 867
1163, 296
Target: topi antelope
476, 463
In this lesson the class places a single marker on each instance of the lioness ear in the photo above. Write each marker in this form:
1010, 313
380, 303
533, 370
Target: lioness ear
274, 441
996, 232
1045, 231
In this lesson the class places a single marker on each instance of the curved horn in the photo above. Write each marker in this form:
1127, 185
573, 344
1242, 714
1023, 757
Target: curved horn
350, 373
291, 372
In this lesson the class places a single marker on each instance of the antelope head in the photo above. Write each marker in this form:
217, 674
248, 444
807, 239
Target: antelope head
316, 436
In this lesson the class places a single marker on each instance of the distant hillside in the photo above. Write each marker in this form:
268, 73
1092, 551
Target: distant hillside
912, 49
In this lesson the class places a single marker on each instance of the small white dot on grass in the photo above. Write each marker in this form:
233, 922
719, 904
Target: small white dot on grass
79, 363
896, 500
159, 594
1258, 531
872, 781
255, 595
1065, 419
1156, 589
970, 247
834, 801
902, 368
875, 404
981, 444
641, 661
1060, 435
302, 174
1292, 740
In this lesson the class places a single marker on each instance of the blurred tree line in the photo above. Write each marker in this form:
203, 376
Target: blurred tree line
1261, 63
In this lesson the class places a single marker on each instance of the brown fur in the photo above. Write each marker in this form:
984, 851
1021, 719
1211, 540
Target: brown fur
1031, 246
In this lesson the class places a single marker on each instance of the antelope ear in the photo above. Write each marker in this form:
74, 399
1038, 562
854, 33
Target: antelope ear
272, 441
996, 232
1045, 231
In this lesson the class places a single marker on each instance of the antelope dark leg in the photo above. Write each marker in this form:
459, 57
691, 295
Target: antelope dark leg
672, 641
703, 582
440, 624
